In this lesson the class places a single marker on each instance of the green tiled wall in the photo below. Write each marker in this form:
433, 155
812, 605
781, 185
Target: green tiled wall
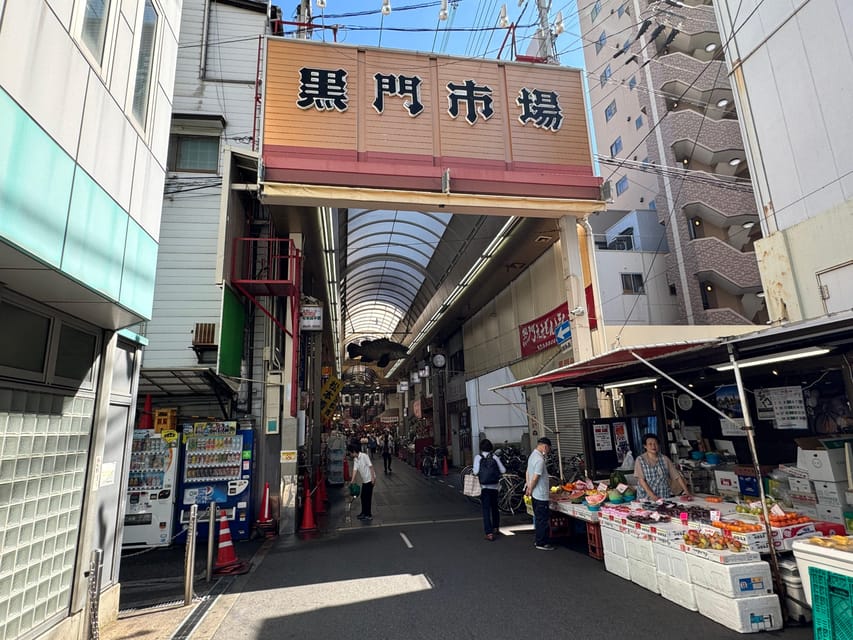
53, 210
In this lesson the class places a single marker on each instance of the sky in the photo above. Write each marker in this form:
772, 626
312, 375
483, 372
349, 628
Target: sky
471, 29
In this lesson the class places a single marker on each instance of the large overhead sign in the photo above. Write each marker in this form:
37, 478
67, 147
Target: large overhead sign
346, 116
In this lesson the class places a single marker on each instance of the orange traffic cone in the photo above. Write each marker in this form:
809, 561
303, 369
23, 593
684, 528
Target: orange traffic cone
265, 525
444, 467
146, 420
308, 523
226, 557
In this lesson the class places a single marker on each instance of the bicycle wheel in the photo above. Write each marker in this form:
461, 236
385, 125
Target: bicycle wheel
510, 494
426, 465
467, 471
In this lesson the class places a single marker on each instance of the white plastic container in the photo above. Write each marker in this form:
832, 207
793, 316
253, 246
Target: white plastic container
640, 550
677, 591
742, 580
613, 542
672, 562
617, 565
795, 599
812, 555
643, 574
744, 615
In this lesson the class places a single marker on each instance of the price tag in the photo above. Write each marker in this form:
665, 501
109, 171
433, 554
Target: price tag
756, 504
654, 515
589, 484
776, 510
602, 486
715, 515
621, 487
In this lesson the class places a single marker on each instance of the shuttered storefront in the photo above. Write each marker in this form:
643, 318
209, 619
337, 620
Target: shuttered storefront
568, 418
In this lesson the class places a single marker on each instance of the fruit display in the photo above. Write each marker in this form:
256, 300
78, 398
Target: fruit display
595, 498
645, 517
715, 541
787, 520
842, 543
737, 526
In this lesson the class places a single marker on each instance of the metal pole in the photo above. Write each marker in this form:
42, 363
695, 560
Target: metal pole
189, 557
93, 578
778, 584
210, 529
557, 435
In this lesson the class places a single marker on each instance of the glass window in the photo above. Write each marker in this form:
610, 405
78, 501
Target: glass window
145, 62
605, 75
616, 147
610, 111
623, 8
75, 358
24, 338
622, 185
632, 283
194, 153
596, 9
602, 40
632, 82
94, 30
638, 122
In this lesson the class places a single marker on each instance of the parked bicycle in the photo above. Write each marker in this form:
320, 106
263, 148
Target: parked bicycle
432, 462
511, 493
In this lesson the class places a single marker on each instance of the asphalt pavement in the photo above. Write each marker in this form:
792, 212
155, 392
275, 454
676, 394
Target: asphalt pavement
422, 569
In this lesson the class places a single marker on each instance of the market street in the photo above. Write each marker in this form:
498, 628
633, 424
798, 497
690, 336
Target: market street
422, 569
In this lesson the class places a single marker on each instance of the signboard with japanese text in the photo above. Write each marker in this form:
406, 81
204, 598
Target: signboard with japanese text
329, 396
310, 318
539, 334
376, 118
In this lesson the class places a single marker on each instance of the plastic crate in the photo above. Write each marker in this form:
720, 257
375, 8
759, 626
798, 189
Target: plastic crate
593, 540
832, 604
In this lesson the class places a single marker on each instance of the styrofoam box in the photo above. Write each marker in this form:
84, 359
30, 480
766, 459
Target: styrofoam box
643, 574
801, 485
823, 465
830, 514
731, 580
677, 591
613, 542
640, 550
744, 615
831, 494
617, 565
672, 562
812, 555
723, 557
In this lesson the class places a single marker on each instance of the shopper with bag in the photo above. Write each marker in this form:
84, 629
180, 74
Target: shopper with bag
362, 466
488, 468
537, 488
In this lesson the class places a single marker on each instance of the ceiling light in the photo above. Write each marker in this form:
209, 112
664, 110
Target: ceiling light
629, 383
697, 222
781, 357
735, 162
709, 287
711, 46
749, 224
723, 103
386, 7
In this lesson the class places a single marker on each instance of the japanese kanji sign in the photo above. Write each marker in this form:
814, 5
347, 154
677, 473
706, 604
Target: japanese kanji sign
329, 396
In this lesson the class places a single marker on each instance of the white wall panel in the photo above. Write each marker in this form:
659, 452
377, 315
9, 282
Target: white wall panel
62, 9
161, 126
146, 199
107, 143
122, 54
130, 11
50, 87
168, 57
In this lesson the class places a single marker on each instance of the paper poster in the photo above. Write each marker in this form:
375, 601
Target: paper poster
620, 437
728, 401
601, 437
787, 407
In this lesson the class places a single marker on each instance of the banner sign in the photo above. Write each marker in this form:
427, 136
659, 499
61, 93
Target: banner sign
538, 335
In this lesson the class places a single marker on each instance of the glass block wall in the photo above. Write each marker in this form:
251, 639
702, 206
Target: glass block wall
44, 443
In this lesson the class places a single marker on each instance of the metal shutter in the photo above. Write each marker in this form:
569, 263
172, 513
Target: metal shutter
569, 418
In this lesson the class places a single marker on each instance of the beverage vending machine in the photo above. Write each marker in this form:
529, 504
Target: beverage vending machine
151, 488
217, 467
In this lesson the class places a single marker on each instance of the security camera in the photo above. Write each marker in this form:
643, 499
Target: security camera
577, 311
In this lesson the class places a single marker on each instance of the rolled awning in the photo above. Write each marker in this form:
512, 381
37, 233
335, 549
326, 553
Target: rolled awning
606, 367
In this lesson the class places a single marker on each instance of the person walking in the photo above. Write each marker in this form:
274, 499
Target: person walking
537, 488
387, 449
371, 445
362, 466
488, 468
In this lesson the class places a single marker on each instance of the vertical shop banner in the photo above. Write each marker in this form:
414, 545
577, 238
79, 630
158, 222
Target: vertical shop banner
538, 335
329, 396
601, 437
620, 437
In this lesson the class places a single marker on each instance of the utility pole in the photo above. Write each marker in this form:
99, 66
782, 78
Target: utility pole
547, 50
303, 17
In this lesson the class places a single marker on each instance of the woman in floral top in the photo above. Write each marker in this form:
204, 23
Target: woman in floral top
654, 472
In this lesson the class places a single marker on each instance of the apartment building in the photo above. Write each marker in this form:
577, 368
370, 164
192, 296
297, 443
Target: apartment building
668, 140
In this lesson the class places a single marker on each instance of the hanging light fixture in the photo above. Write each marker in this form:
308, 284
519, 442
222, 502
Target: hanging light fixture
504, 21
442, 13
386, 7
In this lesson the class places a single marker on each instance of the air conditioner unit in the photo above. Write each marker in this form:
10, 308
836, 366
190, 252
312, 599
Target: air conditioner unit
204, 334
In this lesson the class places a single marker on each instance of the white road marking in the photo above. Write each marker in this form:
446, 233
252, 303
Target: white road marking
510, 531
406, 540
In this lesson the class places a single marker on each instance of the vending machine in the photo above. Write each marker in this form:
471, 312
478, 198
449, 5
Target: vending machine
217, 467
151, 488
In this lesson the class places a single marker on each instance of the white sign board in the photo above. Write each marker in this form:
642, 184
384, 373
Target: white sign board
311, 318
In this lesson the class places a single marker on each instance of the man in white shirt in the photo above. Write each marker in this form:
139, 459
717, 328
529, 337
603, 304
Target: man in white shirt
538, 489
362, 466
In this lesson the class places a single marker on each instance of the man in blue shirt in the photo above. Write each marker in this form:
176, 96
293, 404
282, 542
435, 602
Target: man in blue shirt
538, 489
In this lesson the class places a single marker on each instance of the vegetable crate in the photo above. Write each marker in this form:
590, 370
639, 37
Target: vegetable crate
832, 604
593, 541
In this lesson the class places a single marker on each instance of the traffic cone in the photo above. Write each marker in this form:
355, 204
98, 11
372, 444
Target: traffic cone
146, 420
226, 557
308, 523
444, 467
265, 524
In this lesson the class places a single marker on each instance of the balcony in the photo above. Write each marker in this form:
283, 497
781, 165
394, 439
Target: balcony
719, 263
266, 266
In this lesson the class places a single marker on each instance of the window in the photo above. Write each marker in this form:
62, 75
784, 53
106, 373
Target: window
602, 40
94, 29
622, 185
610, 111
672, 290
145, 62
24, 341
632, 82
638, 122
199, 154
653, 206
632, 283
623, 8
76, 355
596, 9
616, 147
605, 75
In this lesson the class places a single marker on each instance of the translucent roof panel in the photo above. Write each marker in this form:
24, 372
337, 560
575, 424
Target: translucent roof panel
387, 253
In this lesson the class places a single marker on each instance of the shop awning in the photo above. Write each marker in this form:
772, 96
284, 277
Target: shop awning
607, 366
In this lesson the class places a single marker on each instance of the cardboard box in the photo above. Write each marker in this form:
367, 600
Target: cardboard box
802, 486
831, 494
726, 482
823, 458
792, 469
830, 514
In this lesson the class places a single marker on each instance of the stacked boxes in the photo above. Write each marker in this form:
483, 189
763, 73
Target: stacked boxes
165, 420
824, 461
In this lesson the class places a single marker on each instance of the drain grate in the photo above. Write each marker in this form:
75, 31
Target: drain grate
188, 626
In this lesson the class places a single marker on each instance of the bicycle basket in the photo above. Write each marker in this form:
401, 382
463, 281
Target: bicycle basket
355, 490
